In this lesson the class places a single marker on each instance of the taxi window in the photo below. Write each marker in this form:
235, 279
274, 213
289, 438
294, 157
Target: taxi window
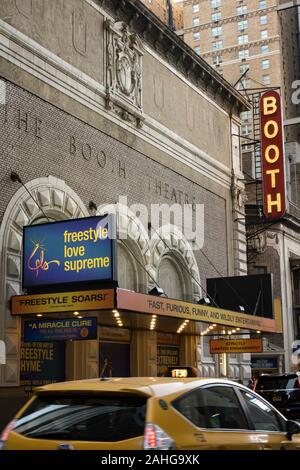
212, 407
84, 418
263, 417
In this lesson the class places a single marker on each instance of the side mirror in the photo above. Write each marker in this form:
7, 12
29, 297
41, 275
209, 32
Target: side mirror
292, 427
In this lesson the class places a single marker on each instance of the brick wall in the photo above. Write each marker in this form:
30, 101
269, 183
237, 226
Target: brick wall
40, 140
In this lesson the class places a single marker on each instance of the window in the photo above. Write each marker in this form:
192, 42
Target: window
244, 84
216, 16
217, 59
217, 44
261, 269
265, 49
244, 54
244, 67
246, 129
242, 10
196, 36
245, 115
196, 21
82, 417
264, 34
262, 4
266, 79
265, 64
263, 19
213, 408
215, 3
243, 39
242, 25
196, 8
197, 49
262, 415
217, 31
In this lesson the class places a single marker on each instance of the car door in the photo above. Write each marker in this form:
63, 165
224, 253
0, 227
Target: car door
219, 419
266, 423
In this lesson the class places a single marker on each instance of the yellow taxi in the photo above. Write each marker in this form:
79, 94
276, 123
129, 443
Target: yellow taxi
149, 413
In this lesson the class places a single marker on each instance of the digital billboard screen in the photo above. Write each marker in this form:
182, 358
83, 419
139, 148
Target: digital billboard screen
69, 251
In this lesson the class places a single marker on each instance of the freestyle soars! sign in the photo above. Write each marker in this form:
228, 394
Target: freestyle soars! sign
79, 250
272, 155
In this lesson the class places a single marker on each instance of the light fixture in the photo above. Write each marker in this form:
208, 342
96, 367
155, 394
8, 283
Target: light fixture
204, 301
182, 326
116, 314
241, 308
39, 315
153, 322
258, 331
92, 206
80, 316
156, 291
76, 313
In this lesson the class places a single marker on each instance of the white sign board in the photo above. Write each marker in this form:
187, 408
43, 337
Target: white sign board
2, 352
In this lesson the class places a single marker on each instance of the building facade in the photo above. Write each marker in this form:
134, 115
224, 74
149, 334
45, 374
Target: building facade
100, 102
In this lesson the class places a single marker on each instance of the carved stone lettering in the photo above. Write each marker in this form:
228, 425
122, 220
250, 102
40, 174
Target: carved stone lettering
159, 92
24, 7
170, 193
89, 153
79, 32
28, 123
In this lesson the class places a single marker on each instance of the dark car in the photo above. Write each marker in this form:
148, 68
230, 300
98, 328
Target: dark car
283, 391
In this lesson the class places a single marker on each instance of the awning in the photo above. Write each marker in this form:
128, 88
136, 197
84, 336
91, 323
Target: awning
125, 300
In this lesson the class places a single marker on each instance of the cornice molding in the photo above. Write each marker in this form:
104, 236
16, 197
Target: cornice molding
240, 47
229, 19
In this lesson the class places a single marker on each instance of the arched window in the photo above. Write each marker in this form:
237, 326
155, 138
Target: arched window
127, 269
171, 279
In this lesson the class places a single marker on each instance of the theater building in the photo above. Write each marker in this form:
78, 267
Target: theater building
100, 101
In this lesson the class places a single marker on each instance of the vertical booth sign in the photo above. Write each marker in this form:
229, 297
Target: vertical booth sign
272, 150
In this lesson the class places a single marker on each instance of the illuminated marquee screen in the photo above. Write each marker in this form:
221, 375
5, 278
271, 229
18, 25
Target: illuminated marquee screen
272, 155
71, 251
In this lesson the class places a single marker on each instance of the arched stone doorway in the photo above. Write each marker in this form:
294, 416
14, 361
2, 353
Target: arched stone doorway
58, 202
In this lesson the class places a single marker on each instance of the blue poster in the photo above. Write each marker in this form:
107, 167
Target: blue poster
61, 329
41, 364
75, 250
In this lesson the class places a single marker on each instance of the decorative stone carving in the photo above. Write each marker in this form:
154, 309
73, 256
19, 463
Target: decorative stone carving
239, 196
261, 241
22, 210
79, 33
124, 72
